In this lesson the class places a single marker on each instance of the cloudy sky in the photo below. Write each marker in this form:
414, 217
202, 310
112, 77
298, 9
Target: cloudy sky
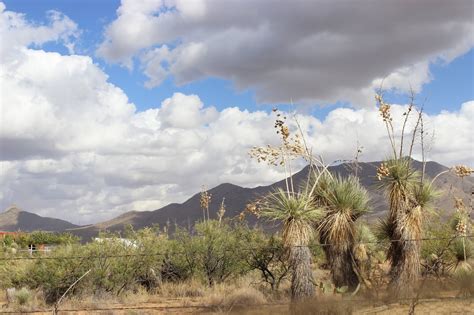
109, 106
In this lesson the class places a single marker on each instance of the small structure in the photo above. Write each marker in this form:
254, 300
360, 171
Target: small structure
13, 234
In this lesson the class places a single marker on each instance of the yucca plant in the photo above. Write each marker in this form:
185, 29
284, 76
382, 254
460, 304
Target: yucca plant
343, 200
398, 181
408, 197
298, 213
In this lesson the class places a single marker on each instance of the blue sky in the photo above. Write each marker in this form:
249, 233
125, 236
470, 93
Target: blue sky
451, 83
92, 17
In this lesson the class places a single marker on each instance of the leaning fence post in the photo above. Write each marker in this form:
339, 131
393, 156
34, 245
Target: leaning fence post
56, 305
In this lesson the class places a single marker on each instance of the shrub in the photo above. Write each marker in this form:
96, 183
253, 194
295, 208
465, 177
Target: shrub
219, 251
42, 237
269, 257
23, 296
55, 276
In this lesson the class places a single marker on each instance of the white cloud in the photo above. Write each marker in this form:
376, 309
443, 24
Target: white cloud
182, 111
17, 32
73, 146
308, 51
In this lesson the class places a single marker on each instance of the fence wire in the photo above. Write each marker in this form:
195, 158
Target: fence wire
244, 249
392, 305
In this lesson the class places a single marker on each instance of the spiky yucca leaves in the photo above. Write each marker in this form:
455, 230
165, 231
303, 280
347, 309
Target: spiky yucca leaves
344, 200
408, 198
398, 181
384, 230
298, 213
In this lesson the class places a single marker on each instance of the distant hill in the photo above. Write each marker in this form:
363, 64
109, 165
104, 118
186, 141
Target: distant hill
14, 219
236, 198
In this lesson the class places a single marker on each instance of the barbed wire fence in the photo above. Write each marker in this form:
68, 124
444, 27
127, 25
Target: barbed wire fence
466, 302
30, 257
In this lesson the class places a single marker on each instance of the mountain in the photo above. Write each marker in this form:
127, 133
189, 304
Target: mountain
236, 199
14, 219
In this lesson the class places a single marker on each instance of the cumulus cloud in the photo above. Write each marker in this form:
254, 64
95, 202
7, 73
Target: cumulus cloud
316, 51
73, 146
17, 32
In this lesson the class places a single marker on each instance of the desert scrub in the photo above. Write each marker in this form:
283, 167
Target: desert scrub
214, 252
15, 273
54, 276
268, 257
23, 296
435, 250
114, 266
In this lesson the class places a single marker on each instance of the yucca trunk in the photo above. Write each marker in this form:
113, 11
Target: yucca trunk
405, 252
337, 235
340, 259
302, 282
397, 203
342, 270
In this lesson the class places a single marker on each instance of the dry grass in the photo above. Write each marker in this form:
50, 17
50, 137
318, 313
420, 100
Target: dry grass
189, 289
241, 297
24, 300
238, 299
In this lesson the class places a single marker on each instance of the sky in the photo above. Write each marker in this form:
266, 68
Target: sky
111, 106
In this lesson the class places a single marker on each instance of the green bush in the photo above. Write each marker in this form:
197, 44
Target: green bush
23, 296
47, 238
55, 276
268, 256
115, 266
218, 251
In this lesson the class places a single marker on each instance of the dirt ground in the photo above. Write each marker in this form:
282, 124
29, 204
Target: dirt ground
194, 306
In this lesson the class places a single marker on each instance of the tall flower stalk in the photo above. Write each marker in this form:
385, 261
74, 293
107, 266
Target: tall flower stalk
408, 197
205, 200
295, 210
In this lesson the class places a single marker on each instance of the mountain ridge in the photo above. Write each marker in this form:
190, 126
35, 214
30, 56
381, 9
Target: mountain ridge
237, 197
15, 219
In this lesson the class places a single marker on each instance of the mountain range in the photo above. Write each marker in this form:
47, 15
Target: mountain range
236, 199
14, 219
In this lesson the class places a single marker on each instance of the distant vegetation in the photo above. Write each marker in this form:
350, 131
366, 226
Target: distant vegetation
22, 240
214, 254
